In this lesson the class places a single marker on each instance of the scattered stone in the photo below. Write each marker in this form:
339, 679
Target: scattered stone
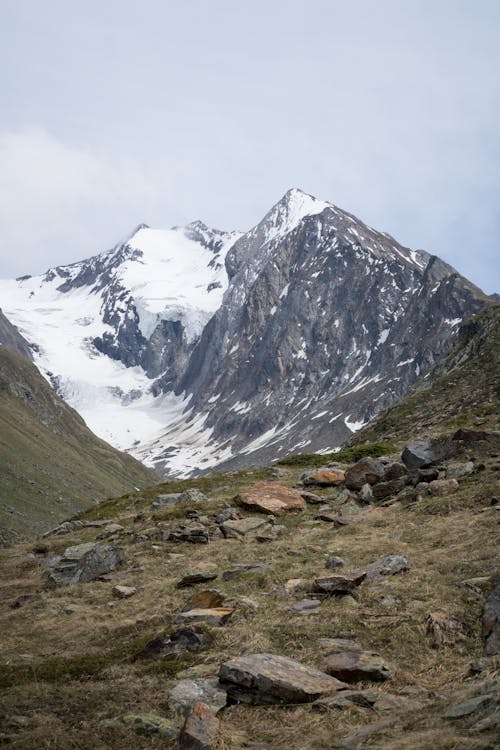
332, 562
194, 532
305, 605
165, 501
339, 645
150, 725
109, 530
186, 693
357, 738
468, 707
387, 566
427, 475
423, 453
269, 497
213, 616
83, 563
191, 579
470, 436
338, 583
382, 490
295, 585
323, 478
243, 527
443, 487
311, 498
241, 569
366, 471
395, 470
352, 666
456, 470
200, 730
172, 646
491, 624
333, 517
265, 678
123, 592
440, 628
365, 495
192, 496
228, 514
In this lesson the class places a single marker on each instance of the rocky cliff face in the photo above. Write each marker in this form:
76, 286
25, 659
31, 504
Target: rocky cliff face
12, 339
231, 349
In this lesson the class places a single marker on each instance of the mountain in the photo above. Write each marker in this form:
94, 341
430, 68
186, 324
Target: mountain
51, 464
12, 339
194, 348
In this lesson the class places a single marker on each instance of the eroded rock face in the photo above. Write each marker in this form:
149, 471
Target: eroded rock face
200, 729
265, 678
83, 563
421, 454
268, 497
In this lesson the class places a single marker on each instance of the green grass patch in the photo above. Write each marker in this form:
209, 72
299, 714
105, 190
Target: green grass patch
347, 456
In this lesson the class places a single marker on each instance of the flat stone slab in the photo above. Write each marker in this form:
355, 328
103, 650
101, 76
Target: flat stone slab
191, 579
338, 583
387, 566
234, 529
84, 562
265, 678
186, 693
305, 605
352, 666
269, 497
242, 569
213, 616
324, 478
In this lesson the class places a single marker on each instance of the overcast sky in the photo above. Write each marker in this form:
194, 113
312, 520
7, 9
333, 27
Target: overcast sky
116, 112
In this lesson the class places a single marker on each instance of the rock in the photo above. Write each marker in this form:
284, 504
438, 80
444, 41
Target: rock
165, 501
333, 562
439, 626
123, 592
470, 436
339, 645
200, 729
424, 453
382, 490
491, 623
236, 529
365, 495
191, 579
206, 599
395, 470
323, 478
152, 534
186, 693
456, 470
305, 605
150, 725
311, 498
333, 517
83, 563
295, 585
194, 532
443, 487
366, 471
469, 707
228, 514
269, 497
174, 645
25, 599
387, 566
357, 738
338, 583
265, 678
192, 496
352, 666
427, 475
241, 569
213, 616
109, 530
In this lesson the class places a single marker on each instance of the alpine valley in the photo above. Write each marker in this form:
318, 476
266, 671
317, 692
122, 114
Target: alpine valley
194, 348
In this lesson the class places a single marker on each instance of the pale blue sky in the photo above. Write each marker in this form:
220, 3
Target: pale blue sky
119, 111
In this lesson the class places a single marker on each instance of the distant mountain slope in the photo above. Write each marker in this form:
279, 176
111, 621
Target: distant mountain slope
194, 348
12, 339
464, 390
51, 465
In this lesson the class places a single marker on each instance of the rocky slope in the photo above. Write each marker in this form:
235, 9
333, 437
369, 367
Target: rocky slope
12, 339
195, 348
355, 605
51, 464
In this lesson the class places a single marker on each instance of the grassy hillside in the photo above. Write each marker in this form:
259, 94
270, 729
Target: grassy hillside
51, 464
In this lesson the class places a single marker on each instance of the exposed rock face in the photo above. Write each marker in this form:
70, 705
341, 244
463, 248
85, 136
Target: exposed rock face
424, 453
264, 678
275, 355
85, 562
12, 339
200, 729
352, 666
